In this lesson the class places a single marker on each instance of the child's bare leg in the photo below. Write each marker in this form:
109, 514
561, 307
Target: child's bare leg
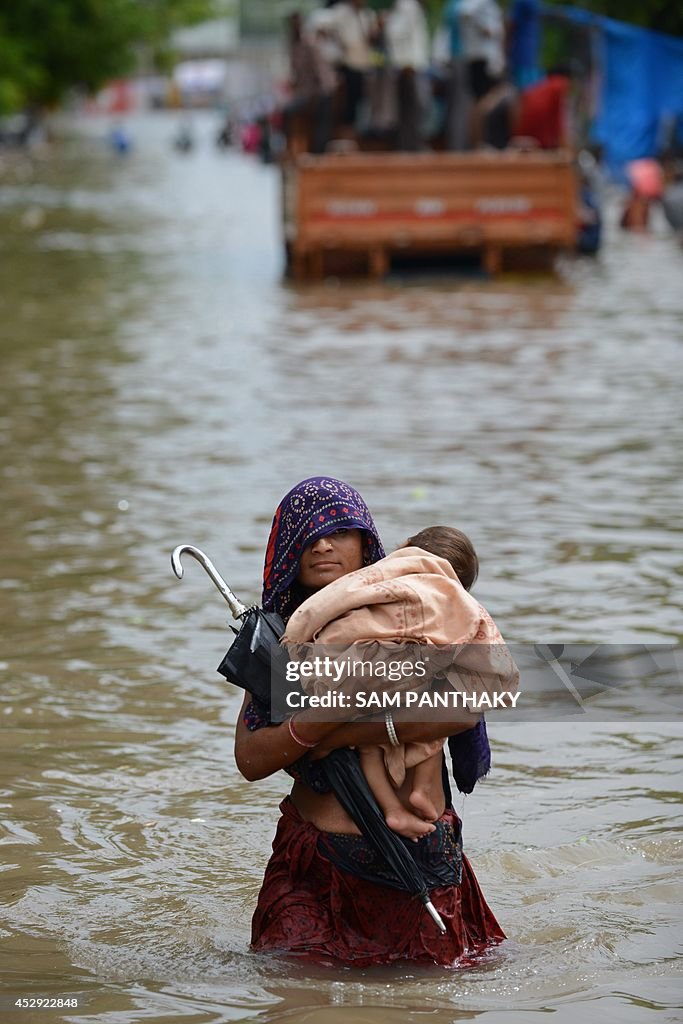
395, 814
425, 775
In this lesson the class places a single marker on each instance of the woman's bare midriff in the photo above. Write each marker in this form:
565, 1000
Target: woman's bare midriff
325, 812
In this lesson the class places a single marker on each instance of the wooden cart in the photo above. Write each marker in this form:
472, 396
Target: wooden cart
360, 210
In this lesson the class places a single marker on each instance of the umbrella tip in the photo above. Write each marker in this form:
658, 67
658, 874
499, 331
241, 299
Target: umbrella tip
435, 916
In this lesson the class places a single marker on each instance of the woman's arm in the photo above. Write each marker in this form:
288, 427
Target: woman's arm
264, 751
261, 752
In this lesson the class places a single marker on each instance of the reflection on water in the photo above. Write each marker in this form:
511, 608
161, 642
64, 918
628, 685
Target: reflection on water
162, 384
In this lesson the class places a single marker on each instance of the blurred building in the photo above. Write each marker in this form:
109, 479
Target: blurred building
235, 58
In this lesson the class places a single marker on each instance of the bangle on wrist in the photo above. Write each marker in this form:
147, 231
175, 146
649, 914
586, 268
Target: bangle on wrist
391, 729
295, 736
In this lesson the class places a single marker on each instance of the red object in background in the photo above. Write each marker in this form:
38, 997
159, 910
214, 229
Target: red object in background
120, 97
250, 137
542, 112
646, 179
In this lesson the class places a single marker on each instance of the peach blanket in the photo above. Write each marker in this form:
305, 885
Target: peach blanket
409, 597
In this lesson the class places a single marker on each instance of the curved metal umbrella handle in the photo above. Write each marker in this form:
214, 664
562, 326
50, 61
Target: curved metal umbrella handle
236, 607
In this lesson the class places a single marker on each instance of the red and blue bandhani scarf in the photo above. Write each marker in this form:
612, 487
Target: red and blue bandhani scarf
315, 507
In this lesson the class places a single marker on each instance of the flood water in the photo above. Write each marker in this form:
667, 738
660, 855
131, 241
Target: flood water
162, 384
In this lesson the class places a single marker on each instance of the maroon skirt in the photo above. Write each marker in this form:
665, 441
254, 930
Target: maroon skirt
308, 906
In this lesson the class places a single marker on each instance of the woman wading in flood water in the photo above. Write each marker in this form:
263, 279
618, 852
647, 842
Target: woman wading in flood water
308, 903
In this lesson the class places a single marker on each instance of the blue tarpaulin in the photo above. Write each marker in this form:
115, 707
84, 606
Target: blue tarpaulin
641, 84
525, 17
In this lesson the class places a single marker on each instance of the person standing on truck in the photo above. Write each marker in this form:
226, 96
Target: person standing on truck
308, 115
458, 98
482, 34
408, 43
352, 26
544, 110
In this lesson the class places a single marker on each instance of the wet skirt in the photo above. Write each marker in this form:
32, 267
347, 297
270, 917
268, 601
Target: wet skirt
309, 906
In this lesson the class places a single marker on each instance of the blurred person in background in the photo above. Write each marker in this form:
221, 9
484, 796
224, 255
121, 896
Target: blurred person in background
544, 111
183, 140
308, 115
352, 26
589, 212
380, 90
120, 140
408, 47
646, 187
494, 116
672, 197
652, 182
671, 148
482, 36
458, 97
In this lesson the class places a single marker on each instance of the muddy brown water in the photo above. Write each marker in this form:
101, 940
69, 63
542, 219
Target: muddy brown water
162, 384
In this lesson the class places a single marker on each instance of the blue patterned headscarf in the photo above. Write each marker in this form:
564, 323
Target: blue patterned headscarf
315, 507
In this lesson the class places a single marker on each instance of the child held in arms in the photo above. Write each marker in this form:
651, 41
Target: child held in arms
419, 594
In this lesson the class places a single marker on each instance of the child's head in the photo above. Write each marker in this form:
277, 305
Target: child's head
454, 546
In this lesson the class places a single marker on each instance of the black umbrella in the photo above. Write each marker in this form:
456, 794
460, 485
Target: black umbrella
255, 655
249, 665
345, 775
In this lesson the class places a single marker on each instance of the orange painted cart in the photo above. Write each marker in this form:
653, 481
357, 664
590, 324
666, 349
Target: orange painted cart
361, 210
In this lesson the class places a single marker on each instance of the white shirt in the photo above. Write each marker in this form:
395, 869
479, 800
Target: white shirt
482, 32
407, 35
351, 28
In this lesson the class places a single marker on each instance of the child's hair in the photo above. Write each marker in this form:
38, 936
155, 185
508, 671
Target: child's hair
454, 546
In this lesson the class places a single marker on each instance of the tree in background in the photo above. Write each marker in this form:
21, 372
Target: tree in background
50, 46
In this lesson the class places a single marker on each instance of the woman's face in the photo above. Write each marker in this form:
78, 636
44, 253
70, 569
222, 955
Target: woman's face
330, 557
